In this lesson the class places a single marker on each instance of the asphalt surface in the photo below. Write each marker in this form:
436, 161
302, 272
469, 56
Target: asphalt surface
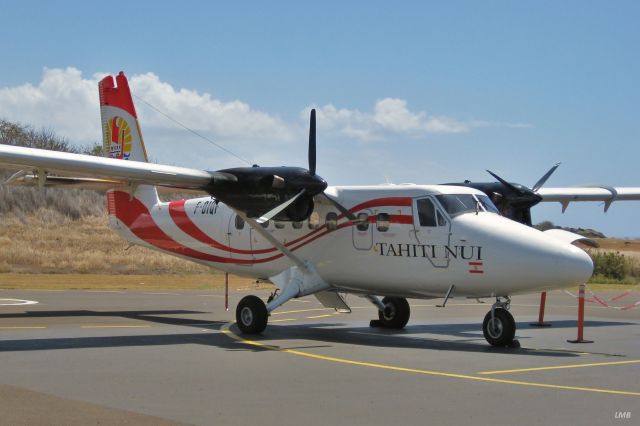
103, 357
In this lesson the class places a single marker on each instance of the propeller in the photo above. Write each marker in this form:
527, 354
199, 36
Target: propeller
312, 142
312, 172
518, 199
274, 212
507, 185
512, 199
544, 178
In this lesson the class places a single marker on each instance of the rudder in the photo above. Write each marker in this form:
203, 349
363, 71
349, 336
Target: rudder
121, 134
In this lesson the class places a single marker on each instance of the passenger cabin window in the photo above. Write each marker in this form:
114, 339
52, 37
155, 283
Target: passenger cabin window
296, 225
239, 222
363, 222
279, 225
265, 225
314, 220
331, 220
382, 222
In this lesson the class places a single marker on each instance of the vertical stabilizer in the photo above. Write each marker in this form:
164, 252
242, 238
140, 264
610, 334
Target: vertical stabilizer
121, 135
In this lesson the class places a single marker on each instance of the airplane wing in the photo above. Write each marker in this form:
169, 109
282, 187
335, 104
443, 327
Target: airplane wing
131, 172
25, 178
606, 194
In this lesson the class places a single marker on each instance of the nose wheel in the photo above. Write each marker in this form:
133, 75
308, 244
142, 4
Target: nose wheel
499, 327
251, 315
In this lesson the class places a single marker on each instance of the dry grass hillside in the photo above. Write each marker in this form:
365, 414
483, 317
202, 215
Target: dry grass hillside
47, 241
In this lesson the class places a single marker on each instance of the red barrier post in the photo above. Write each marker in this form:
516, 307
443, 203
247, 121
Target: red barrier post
226, 291
580, 338
541, 323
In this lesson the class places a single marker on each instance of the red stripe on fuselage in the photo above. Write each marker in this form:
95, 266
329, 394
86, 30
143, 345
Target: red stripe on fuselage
138, 219
182, 220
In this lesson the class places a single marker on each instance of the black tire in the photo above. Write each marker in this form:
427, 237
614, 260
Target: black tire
251, 315
396, 313
502, 332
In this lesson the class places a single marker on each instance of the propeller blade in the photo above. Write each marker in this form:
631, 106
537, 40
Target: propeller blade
506, 184
312, 142
273, 212
544, 178
340, 207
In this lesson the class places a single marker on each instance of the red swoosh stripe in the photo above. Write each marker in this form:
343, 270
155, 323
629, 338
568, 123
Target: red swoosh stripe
182, 220
138, 219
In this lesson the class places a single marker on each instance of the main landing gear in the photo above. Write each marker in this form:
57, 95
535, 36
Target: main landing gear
252, 315
393, 312
499, 327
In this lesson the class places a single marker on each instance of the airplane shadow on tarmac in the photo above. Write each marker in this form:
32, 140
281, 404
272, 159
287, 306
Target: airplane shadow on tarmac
470, 334
324, 334
155, 316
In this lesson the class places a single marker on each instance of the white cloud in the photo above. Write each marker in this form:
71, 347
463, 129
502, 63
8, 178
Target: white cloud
66, 102
63, 101
391, 117
200, 111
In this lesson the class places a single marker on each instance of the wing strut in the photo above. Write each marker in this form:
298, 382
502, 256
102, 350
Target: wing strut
297, 281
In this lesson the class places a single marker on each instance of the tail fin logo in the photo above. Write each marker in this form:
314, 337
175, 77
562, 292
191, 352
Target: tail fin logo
118, 138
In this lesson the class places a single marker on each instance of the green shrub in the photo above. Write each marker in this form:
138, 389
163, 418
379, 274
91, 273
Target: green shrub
612, 265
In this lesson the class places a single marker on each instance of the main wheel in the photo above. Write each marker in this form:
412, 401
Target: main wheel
251, 315
395, 314
500, 330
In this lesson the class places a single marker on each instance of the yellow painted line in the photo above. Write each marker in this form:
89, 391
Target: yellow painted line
225, 329
283, 320
116, 326
320, 316
22, 328
561, 367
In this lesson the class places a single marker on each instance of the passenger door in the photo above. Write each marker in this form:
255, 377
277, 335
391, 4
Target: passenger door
239, 235
432, 230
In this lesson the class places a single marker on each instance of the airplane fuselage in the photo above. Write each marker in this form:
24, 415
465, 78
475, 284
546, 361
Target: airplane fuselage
408, 241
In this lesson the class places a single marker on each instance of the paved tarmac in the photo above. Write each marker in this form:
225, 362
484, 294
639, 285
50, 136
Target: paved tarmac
130, 357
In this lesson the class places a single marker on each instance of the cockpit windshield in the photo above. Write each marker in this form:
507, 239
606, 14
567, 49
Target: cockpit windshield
487, 204
456, 204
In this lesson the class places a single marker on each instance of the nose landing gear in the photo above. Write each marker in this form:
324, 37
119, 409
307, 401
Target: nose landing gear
499, 327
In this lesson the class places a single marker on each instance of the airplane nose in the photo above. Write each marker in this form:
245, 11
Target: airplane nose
575, 265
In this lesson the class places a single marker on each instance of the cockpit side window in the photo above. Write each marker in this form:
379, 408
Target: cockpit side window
427, 212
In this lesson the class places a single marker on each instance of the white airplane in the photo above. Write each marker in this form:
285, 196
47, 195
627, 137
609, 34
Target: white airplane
286, 226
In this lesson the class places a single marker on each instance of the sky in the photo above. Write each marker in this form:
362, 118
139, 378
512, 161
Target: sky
413, 91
